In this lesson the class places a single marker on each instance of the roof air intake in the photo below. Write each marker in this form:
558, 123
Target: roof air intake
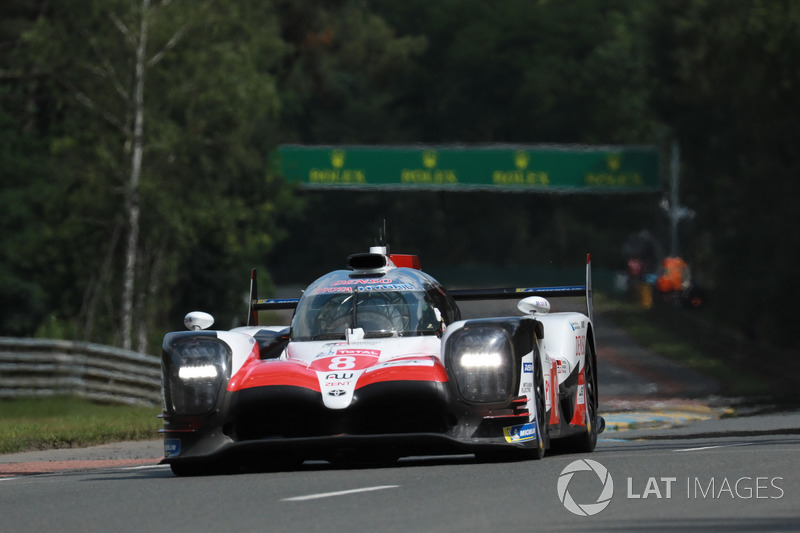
367, 262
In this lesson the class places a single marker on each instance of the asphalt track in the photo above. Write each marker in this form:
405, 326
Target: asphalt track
748, 483
676, 455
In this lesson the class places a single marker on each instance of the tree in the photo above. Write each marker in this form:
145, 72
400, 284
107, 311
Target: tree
159, 106
728, 89
339, 81
509, 71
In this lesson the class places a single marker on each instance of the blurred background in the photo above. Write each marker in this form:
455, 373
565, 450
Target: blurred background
137, 141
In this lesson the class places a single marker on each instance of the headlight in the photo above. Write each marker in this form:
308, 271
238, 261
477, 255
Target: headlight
196, 369
480, 358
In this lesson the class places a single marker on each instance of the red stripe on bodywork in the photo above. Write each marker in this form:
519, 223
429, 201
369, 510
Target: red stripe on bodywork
258, 373
435, 373
555, 408
579, 417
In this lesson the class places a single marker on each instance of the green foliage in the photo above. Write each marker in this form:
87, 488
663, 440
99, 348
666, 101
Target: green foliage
339, 82
517, 71
730, 93
228, 80
209, 98
66, 422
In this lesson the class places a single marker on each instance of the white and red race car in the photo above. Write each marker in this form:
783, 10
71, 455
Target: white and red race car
378, 364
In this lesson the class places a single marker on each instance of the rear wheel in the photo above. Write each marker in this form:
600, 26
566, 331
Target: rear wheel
587, 440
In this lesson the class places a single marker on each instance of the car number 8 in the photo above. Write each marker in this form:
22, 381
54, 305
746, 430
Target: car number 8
342, 363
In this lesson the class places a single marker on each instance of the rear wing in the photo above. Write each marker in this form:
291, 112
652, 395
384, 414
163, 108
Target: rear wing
510, 293
264, 304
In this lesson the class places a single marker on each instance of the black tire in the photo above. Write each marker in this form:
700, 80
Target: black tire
542, 434
586, 441
194, 469
189, 469
508, 454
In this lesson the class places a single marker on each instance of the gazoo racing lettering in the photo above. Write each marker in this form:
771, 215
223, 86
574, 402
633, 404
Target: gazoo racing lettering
392, 287
361, 282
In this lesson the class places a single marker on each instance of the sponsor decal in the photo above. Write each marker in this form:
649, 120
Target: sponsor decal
527, 367
391, 287
402, 362
579, 417
328, 290
172, 447
329, 384
345, 360
580, 345
520, 433
337, 392
340, 375
366, 281
359, 351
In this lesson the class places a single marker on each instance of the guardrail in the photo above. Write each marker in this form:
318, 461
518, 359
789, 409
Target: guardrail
41, 367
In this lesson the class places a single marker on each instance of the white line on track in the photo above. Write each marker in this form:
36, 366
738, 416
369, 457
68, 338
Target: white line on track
145, 467
713, 447
338, 493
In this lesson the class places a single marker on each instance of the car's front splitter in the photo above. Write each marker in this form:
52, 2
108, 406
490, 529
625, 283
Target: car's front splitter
405, 418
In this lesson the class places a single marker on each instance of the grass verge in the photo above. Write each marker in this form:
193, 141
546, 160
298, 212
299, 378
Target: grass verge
682, 336
67, 422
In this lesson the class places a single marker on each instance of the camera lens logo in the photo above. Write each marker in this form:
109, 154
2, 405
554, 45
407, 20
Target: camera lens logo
585, 509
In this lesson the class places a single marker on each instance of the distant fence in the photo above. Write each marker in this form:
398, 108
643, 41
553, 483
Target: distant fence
40, 367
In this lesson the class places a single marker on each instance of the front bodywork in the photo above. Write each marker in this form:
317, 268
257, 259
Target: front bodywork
375, 361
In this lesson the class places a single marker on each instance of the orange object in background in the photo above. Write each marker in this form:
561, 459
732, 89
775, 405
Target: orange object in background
675, 272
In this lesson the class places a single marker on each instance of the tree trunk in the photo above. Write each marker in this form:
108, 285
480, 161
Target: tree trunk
132, 193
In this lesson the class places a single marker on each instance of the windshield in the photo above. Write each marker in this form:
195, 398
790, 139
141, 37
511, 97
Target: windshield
384, 311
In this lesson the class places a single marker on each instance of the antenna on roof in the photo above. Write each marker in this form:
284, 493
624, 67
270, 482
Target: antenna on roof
382, 241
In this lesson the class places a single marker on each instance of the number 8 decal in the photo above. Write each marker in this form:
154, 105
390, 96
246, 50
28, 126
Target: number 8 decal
342, 363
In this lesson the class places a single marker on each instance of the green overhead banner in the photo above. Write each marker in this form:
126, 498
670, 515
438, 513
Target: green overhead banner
497, 167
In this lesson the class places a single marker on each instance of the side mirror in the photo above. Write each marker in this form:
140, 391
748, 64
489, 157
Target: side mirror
534, 305
197, 320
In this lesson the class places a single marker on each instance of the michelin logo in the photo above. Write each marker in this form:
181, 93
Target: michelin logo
172, 447
520, 433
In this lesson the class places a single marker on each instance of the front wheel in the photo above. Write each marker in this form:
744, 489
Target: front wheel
540, 405
190, 469
540, 421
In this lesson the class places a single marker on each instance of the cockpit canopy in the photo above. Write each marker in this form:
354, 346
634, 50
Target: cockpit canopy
402, 302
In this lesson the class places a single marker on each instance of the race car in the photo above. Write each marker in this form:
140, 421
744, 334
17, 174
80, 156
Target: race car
378, 364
